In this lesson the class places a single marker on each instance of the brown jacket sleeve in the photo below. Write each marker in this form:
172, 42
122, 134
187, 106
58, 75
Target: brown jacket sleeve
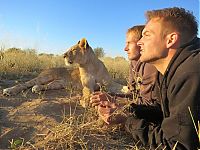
142, 78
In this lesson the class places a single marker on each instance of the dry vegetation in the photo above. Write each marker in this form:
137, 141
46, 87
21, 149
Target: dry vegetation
53, 120
74, 128
21, 62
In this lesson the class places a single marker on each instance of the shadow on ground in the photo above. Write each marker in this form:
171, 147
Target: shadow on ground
26, 115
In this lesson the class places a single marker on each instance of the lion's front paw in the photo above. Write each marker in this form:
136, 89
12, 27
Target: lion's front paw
8, 92
36, 89
125, 89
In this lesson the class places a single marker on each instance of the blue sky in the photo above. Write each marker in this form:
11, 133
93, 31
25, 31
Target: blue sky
52, 26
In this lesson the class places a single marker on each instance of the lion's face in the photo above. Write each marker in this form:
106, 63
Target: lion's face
77, 53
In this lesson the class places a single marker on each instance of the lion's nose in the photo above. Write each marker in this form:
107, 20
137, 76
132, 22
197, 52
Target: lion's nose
70, 62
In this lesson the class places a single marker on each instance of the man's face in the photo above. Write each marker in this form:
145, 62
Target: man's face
132, 49
152, 43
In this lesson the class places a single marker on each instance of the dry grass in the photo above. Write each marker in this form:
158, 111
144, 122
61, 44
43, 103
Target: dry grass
85, 131
74, 132
16, 62
118, 67
21, 62
197, 128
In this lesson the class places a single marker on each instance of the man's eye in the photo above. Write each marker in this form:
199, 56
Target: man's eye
131, 42
144, 36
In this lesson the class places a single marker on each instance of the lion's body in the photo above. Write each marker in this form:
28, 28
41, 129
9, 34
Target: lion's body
49, 79
92, 70
89, 76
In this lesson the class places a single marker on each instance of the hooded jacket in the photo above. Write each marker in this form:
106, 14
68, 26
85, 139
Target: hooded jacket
142, 79
179, 92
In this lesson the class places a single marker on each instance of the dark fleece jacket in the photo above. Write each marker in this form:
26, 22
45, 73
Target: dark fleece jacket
145, 104
179, 92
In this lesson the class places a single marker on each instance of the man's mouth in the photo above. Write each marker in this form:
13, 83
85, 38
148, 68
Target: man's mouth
141, 50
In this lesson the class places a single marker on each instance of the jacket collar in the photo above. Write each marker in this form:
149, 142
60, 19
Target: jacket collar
182, 54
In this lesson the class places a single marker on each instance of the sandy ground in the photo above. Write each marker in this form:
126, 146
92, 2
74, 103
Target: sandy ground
28, 116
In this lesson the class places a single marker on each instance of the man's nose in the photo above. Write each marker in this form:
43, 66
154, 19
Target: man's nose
139, 43
126, 48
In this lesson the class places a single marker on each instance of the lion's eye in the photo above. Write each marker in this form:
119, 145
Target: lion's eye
74, 51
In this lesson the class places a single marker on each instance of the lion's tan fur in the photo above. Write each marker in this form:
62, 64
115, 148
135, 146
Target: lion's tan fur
49, 79
90, 73
92, 70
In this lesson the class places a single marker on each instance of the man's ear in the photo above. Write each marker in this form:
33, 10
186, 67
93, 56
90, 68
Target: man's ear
83, 43
172, 40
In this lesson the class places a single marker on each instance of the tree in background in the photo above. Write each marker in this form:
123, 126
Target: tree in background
14, 50
99, 52
119, 58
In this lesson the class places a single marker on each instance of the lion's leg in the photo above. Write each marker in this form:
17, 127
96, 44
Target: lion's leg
54, 85
39, 81
20, 87
86, 97
14, 90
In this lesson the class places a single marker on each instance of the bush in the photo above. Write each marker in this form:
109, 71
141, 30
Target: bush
118, 68
19, 62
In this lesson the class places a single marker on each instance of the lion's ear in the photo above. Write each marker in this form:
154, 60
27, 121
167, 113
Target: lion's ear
83, 43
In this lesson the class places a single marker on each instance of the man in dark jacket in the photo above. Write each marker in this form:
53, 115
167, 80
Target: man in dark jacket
170, 43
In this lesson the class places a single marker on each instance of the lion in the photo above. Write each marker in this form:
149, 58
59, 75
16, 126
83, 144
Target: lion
92, 71
49, 79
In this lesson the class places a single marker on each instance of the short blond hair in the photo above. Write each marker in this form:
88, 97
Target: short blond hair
136, 30
177, 19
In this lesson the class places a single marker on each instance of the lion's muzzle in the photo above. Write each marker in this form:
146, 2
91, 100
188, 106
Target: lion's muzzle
68, 59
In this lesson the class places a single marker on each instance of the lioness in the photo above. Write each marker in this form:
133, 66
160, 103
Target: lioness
92, 70
49, 79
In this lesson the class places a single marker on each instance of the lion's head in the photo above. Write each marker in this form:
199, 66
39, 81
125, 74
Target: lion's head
78, 53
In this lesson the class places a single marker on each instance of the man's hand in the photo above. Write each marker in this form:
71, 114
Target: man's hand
107, 112
98, 97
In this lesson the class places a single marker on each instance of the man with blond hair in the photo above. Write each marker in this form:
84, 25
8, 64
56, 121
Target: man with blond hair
142, 77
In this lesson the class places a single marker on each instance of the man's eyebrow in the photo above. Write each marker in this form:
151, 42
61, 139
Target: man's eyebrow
147, 32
